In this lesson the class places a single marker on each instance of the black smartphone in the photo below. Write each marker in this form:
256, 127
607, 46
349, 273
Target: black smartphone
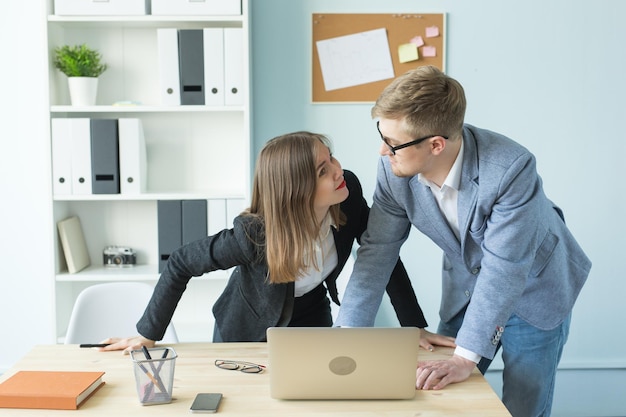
206, 403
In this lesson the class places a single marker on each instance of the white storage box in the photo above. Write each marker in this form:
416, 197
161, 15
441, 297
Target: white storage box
196, 7
101, 7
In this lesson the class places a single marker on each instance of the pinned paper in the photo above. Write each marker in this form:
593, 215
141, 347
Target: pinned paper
355, 59
407, 52
429, 51
417, 41
432, 31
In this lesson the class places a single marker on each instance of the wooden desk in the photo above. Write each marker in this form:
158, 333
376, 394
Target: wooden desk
244, 394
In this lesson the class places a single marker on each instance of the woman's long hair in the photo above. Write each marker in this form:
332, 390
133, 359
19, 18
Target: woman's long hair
283, 193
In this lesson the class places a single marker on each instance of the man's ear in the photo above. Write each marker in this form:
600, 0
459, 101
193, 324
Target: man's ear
437, 145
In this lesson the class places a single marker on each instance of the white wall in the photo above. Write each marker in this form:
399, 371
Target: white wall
550, 74
26, 286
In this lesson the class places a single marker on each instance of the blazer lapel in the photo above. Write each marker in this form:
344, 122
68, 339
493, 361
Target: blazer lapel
468, 189
432, 222
343, 252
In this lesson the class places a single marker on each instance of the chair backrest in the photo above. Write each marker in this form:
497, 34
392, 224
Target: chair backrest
110, 310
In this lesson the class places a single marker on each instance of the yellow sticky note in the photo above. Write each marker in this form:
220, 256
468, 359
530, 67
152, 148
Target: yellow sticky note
407, 52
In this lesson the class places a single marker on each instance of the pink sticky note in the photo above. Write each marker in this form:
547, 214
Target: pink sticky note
432, 31
417, 41
429, 51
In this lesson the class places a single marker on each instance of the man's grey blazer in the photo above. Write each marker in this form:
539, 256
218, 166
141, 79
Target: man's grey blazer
515, 254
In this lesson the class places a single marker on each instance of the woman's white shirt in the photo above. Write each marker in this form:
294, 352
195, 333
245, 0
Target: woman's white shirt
326, 257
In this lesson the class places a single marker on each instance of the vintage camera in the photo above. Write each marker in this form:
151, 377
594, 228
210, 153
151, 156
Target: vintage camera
119, 256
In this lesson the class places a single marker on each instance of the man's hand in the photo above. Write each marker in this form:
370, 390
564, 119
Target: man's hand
429, 340
128, 344
437, 374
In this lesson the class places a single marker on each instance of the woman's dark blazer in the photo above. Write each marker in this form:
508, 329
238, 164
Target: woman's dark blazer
249, 303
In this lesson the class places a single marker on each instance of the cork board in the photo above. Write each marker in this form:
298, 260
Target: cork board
401, 29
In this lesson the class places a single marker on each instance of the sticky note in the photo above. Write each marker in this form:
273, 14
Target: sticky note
417, 41
407, 52
429, 51
432, 31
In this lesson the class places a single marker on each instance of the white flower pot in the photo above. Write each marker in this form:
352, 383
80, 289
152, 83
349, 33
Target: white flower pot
83, 90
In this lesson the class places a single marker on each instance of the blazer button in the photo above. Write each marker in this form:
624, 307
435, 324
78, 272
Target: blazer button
476, 270
467, 293
497, 335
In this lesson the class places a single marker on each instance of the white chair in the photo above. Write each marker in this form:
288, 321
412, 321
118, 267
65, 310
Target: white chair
110, 310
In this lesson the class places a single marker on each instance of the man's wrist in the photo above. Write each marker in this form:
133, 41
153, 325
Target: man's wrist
467, 354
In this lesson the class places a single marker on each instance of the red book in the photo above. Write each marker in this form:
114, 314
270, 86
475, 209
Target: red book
59, 390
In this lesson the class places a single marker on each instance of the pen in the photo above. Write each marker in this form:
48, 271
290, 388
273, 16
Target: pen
93, 345
146, 352
149, 375
163, 356
158, 381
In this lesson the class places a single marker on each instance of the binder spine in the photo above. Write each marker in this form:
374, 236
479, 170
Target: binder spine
191, 55
214, 66
81, 156
216, 215
62, 156
133, 159
194, 220
233, 66
105, 165
169, 219
169, 71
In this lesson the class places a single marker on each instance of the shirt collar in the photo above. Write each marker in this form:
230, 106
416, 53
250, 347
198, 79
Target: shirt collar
453, 179
325, 227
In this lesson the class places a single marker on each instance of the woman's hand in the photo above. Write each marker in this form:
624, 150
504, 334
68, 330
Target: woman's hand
127, 344
429, 340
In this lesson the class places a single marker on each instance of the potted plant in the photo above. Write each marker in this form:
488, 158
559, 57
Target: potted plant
83, 66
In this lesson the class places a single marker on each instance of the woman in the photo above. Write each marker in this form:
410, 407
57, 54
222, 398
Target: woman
288, 249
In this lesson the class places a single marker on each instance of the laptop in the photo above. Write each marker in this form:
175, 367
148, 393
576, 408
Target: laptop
342, 363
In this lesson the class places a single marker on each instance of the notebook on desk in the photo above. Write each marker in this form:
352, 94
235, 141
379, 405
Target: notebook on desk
342, 363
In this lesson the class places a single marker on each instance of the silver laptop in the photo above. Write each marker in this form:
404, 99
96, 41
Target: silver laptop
342, 363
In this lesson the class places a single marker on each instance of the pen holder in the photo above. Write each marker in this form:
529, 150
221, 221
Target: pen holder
154, 374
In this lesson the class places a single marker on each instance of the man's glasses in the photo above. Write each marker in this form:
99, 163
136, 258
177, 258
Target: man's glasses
247, 367
393, 149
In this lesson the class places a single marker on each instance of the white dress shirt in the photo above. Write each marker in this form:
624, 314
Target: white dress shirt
326, 257
447, 198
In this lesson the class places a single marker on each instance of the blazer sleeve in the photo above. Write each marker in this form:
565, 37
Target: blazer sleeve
399, 288
226, 249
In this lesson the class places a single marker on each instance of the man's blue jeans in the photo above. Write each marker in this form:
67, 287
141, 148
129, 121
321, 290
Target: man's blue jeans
530, 357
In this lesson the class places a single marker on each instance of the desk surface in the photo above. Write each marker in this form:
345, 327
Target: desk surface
244, 394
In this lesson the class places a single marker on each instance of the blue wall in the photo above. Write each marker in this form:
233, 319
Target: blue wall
551, 75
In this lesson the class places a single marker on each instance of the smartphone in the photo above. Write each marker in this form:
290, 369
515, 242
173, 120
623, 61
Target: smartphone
206, 403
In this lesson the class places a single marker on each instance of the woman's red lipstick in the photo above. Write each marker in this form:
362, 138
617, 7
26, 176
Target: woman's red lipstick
343, 184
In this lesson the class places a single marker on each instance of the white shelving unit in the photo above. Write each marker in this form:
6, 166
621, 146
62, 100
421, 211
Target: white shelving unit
193, 152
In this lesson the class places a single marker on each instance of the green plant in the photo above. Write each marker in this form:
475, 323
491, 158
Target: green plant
78, 61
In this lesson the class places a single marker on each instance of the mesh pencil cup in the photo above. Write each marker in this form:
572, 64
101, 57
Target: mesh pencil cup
154, 374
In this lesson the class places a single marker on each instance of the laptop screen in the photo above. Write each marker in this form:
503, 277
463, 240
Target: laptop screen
342, 363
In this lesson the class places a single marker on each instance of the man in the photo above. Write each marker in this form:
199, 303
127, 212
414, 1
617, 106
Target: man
511, 268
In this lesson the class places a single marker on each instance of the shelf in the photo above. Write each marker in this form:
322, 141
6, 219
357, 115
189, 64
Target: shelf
193, 152
147, 21
100, 273
135, 273
144, 109
208, 195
